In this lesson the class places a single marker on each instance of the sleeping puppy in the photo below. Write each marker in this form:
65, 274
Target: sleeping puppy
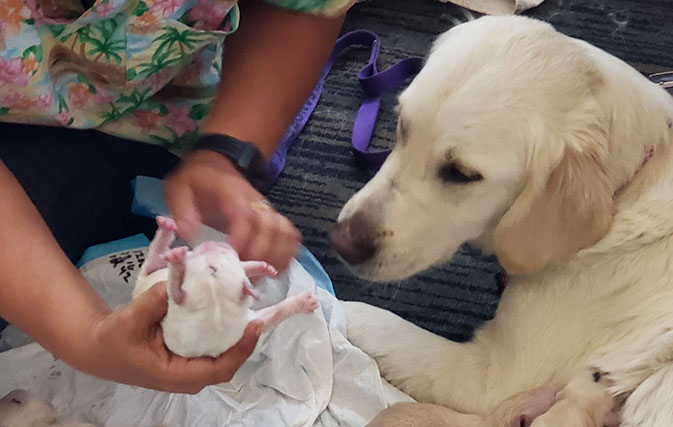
209, 294
518, 411
19, 408
584, 402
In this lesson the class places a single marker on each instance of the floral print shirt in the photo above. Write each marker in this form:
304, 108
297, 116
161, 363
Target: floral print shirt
142, 69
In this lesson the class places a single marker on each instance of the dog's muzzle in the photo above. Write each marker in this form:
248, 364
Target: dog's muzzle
355, 239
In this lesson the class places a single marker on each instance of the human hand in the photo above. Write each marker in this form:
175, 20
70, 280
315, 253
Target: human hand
127, 346
207, 188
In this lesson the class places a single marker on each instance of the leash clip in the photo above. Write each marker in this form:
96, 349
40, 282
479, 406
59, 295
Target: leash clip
664, 79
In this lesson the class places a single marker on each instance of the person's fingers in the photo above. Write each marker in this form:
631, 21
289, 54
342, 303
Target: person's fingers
182, 205
284, 245
290, 239
191, 375
283, 254
263, 242
231, 360
150, 307
241, 229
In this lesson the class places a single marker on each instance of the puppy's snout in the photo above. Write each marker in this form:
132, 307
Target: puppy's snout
355, 239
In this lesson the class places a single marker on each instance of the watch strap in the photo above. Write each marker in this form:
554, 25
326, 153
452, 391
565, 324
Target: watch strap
244, 155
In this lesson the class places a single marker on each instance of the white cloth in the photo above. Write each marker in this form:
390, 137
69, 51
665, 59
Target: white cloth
303, 373
496, 7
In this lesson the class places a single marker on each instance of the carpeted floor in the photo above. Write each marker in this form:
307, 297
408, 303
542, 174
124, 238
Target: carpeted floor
320, 175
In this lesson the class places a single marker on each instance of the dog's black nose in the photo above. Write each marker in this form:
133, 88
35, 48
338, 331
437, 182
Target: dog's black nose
354, 239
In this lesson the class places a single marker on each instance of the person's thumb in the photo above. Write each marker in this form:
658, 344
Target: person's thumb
182, 207
151, 306
229, 362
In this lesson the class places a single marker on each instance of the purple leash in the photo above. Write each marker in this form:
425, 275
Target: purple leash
374, 84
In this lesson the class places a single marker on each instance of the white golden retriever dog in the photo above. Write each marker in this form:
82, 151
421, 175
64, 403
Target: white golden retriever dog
556, 156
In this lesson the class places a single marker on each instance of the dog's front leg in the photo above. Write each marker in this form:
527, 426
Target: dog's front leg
428, 367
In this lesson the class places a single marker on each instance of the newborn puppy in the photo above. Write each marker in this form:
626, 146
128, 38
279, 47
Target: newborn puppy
209, 294
517, 411
19, 408
584, 402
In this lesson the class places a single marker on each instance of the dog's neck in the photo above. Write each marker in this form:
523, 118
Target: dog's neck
642, 205
640, 161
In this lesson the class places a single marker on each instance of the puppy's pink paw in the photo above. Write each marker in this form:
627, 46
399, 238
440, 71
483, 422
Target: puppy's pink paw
257, 269
268, 270
166, 223
175, 255
307, 302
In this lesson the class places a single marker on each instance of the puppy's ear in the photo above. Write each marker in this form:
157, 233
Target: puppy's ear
566, 205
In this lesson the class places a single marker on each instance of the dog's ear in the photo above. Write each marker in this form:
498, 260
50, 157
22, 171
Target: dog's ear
566, 204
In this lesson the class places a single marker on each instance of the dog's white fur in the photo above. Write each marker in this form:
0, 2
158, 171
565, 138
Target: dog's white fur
559, 130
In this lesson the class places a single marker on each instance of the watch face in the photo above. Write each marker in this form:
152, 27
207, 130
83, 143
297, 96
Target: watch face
246, 155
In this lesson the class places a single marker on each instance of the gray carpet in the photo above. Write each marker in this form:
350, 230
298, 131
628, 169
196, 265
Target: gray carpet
320, 175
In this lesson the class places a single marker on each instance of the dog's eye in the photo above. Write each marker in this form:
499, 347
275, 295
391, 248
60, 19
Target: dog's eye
597, 376
453, 174
213, 270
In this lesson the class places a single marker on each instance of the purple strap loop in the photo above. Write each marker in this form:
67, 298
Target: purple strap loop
374, 84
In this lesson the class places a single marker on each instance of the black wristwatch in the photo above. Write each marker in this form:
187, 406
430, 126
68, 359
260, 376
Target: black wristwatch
244, 155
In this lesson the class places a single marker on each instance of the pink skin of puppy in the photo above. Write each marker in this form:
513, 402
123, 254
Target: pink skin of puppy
19, 408
210, 294
584, 402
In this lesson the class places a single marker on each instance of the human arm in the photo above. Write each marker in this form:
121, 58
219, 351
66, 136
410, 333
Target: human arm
43, 294
271, 65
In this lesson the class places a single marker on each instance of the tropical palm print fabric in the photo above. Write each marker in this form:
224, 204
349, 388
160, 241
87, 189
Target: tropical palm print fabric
142, 69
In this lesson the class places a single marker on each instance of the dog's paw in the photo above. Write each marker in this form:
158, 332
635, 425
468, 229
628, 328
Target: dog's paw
363, 322
384, 336
412, 359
